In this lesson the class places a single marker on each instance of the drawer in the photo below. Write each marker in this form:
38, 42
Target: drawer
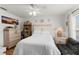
27, 32
11, 32
13, 43
11, 40
14, 32
15, 35
14, 38
26, 36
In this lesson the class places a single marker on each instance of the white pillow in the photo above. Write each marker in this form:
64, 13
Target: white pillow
37, 32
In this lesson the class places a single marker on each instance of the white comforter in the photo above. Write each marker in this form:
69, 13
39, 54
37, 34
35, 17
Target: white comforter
37, 44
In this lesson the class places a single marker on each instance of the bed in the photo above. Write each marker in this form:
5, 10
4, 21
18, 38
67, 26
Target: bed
37, 44
40, 43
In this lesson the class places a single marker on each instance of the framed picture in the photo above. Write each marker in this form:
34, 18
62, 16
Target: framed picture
8, 20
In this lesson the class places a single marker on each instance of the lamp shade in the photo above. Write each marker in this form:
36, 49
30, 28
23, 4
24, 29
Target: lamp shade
59, 31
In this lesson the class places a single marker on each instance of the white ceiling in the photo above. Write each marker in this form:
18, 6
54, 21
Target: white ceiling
50, 9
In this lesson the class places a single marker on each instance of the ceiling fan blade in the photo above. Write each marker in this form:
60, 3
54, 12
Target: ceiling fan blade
3, 8
30, 7
37, 9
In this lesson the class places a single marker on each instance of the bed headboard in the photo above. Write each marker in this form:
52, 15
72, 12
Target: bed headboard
41, 25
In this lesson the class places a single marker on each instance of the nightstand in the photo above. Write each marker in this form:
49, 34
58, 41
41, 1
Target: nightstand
27, 29
61, 40
60, 36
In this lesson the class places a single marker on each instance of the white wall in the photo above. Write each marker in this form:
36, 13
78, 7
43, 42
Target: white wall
2, 26
56, 21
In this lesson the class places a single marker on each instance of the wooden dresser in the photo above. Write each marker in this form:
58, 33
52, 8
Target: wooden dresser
27, 30
11, 37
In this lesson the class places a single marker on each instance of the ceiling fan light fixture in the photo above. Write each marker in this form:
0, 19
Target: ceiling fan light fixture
30, 13
33, 13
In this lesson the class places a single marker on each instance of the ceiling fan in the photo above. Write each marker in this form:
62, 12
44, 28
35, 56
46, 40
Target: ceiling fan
34, 9
3, 8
